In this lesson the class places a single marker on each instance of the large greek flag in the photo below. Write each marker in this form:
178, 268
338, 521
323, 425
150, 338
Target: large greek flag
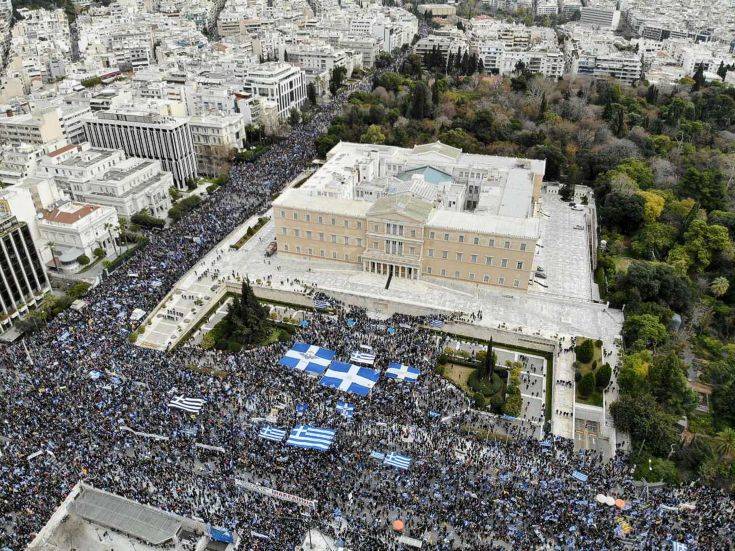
397, 460
310, 438
362, 357
321, 304
350, 378
402, 372
190, 405
308, 357
272, 433
436, 323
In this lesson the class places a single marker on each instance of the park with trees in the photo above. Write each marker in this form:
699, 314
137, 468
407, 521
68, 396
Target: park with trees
661, 164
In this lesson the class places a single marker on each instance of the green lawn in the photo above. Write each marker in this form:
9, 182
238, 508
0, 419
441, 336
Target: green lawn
595, 398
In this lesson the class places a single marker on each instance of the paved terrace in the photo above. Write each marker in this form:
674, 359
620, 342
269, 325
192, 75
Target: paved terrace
555, 314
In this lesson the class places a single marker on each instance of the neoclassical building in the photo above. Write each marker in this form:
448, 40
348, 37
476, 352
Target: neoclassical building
430, 211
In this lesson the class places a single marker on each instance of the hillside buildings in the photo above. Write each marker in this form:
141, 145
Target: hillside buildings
430, 211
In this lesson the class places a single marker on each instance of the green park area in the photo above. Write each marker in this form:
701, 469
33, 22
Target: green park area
591, 374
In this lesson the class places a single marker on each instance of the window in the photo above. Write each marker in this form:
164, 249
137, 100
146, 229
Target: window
486, 279
296, 233
476, 241
519, 265
321, 236
446, 237
283, 214
321, 253
506, 244
347, 240
307, 217
295, 215
461, 238
523, 246
456, 274
431, 253
334, 221
347, 257
445, 254
334, 255
375, 227
284, 231
501, 281
431, 235
491, 243
412, 250
474, 259
285, 248
516, 283
321, 220
359, 241
459, 257
347, 223
298, 249
472, 276
444, 272
308, 234
311, 251
359, 224
428, 269
504, 263
413, 233
375, 244
334, 238
489, 260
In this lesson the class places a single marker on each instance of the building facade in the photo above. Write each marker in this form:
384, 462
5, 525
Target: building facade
427, 212
147, 135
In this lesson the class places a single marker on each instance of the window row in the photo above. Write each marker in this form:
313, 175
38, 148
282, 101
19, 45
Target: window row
446, 236
334, 255
333, 238
475, 259
323, 219
486, 278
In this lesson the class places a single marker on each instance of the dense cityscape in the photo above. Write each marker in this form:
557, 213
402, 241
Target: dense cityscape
352, 274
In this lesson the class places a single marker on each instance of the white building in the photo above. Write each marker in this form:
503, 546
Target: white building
76, 229
142, 133
41, 128
216, 138
281, 83
107, 177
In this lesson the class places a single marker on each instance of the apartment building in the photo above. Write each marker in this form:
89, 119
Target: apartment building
430, 211
604, 17
41, 128
108, 177
142, 133
23, 279
281, 83
216, 138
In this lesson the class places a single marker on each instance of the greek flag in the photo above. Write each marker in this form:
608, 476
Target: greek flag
402, 372
307, 357
351, 322
676, 546
362, 357
377, 455
310, 438
272, 433
302, 408
436, 323
345, 409
350, 378
190, 405
321, 304
397, 460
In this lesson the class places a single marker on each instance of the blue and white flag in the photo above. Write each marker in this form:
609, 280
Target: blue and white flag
310, 438
304, 323
434, 413
677, 546
307, 357
351, 322
391, 330
377, 455
221, 535
436, 323
345, 409
362, 357
402, 372
579, 476
190, 405
94, 374
302, 408
397, 460
272, 433
321, 304
350, 378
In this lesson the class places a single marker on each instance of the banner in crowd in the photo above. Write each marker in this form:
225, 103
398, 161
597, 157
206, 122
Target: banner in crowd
277, 494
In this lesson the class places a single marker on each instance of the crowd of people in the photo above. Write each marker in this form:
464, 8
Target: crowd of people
462, 489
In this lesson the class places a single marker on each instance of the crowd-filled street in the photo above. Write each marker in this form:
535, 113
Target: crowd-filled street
460, 491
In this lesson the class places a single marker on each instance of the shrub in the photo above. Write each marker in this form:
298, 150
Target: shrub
585, 351
211, 188
83, 259
145, 220
208, 341
586, 384
133, 336
602, 377
78, 290
479, 400
99, 252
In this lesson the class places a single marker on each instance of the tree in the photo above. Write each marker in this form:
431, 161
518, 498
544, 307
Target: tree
99, 253
311, 93
294, 117
723, 402
602, 377
705, 186
644, 331
83, 259
421, 101
246, 321
586, 384
724, 444
585, 351
336, 78
669, 385
542, 107
640, 416
373, 134
722, 70
623, 212
719, 286
698, 77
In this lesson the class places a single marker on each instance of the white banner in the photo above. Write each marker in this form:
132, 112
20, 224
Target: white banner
270, 492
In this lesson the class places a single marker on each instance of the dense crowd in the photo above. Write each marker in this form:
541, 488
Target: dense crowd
461, 489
